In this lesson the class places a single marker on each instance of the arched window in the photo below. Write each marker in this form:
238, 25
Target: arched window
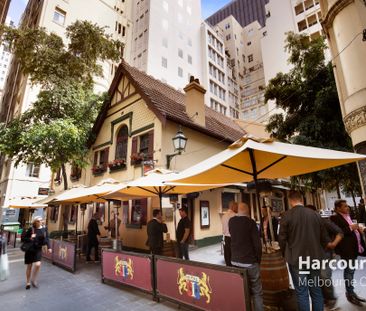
121, 143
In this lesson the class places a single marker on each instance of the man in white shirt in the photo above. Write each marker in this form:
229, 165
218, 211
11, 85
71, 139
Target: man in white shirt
233, 209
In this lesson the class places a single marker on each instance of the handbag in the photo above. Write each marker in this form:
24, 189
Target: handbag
28, 245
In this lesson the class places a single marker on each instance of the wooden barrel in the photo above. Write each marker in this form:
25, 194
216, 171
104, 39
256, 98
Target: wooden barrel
274, 276
169, 249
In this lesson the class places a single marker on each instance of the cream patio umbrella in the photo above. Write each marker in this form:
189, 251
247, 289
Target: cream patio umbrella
156, 183
251, 158
91, 194
30, 203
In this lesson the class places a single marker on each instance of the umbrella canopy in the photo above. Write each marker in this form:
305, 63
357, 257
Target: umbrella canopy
89, 194
25, 202
250, 159
156, 183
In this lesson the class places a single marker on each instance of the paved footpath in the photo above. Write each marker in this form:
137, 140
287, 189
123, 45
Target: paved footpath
60, 290
64, 291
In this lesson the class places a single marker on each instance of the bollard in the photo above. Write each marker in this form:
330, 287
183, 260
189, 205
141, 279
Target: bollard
4, 262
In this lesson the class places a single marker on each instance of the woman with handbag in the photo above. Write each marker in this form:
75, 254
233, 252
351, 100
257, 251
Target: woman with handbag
33, 240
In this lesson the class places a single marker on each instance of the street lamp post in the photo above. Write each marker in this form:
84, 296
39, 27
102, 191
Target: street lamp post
179, 143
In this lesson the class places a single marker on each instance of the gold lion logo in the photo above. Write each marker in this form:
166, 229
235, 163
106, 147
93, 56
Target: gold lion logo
62, 253
194, 286
123, 268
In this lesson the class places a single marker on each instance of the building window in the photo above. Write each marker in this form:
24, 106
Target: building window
33, 170
189, 41
121, 143
228, 37
54, 213
180, 72
180, 53
250, 58
165, 6
100, 162
164, 62
189, 59
59, 16
142, 148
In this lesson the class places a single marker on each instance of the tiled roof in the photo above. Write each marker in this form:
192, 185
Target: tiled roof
168, 103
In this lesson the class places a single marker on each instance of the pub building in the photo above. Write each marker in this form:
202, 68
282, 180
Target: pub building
133, 134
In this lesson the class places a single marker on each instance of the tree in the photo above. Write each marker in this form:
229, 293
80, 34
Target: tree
55, 130
308, 96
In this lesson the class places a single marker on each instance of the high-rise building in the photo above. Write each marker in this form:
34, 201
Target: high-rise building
298, 16
166, 39
5, 59
4, 8
244, 11
243, 46
54, 15
217, 73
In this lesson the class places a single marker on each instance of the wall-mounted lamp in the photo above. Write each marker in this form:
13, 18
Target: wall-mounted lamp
179, 143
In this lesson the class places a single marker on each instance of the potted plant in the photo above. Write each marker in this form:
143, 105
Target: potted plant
136, 158
98, 169
117, 164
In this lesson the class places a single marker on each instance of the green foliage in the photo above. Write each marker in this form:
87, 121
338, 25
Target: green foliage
55, 130
312, 117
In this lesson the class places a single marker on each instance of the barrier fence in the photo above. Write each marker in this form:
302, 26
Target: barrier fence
63, 254
197, 285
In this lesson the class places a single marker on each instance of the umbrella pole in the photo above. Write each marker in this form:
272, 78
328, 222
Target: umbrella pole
161, 202
76, 221
109, 214
255, 177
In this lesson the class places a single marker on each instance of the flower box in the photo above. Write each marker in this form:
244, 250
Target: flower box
99, 169
137, 158
117, 165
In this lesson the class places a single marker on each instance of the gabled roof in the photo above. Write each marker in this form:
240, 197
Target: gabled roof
168, 104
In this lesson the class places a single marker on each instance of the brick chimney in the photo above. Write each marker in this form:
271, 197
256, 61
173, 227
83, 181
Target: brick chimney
195, 101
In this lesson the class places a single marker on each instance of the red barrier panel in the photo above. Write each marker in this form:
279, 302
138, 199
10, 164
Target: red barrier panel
202, 286
128, 268
64, 254
45, 252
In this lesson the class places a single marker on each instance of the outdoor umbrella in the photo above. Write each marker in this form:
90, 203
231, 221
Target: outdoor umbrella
25, 202
156, 183
251, 158
90, 194
30, 203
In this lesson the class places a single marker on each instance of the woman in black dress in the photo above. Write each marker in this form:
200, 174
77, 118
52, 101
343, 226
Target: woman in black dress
39, 236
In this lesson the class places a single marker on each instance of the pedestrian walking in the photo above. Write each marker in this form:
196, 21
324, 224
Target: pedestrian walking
183, 234
303, 238
93, 232
155, 230
112, 225
231, 212
349, 248
361, 212
246, 251
35, 238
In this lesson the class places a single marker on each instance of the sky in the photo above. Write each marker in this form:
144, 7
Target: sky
208, 7
211, 6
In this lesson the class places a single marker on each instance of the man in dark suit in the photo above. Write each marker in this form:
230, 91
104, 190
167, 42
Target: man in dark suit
246, 251
302, 239
93, 232
349, 248
155, 230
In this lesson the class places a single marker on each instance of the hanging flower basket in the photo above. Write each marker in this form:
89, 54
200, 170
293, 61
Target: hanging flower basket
136, 158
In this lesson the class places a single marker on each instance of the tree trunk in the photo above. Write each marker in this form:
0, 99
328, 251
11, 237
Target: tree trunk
353, 199
64, 176
338, 190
